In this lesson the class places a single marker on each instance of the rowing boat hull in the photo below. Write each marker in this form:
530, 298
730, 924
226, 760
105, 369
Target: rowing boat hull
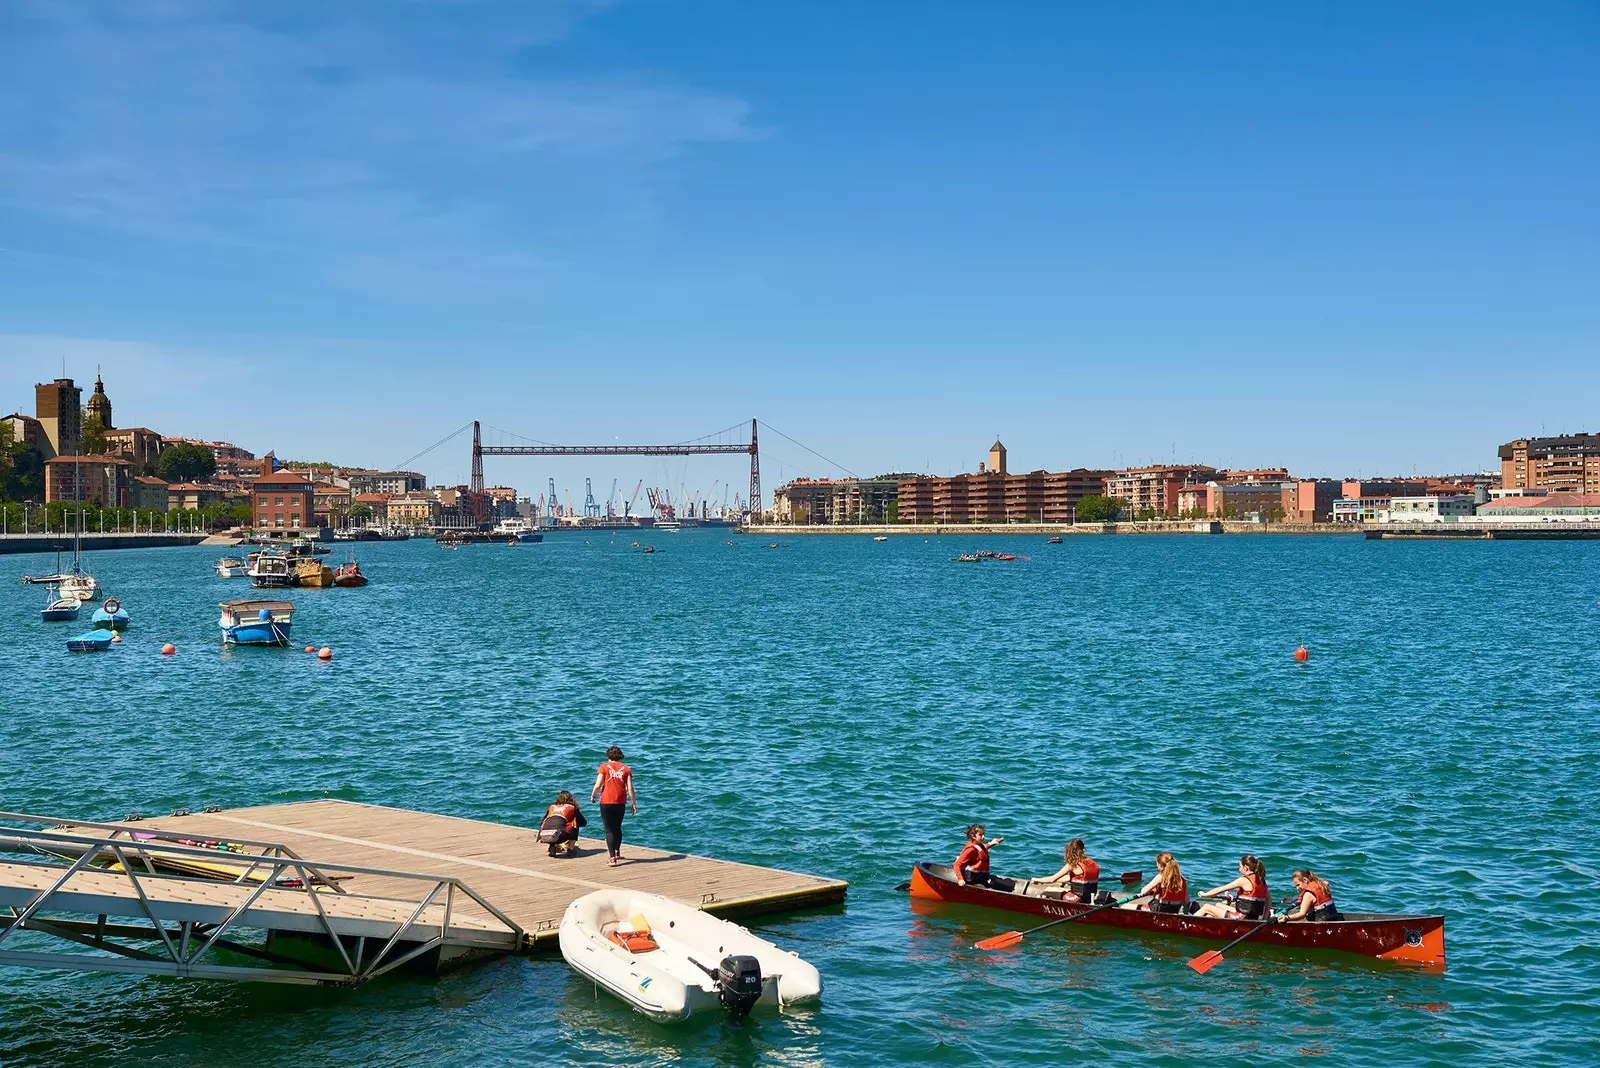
1415, 940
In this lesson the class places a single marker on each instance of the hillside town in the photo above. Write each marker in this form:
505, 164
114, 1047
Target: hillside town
71, 451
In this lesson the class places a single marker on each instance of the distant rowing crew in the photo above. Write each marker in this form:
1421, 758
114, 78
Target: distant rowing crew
1078, 880
1237, 910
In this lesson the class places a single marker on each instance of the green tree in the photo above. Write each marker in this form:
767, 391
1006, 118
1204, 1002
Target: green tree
23, 476
184, 462
92, 437
1098, 509
891, 511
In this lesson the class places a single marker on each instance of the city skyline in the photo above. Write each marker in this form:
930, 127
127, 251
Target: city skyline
1327, 240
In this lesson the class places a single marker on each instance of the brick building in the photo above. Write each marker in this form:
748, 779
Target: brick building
988, 497
101, 481
1155, 489
1569, 463
57, 408
281, 501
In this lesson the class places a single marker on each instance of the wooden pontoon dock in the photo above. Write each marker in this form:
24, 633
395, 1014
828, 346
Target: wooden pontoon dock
376, 887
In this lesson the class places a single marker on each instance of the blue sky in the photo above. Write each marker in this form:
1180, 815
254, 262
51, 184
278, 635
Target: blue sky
1344, 237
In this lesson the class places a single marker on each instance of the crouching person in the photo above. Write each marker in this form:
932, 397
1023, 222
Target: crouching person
559, 830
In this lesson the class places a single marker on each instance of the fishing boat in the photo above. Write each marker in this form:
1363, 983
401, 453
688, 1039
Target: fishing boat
349, 575
313, 573
256, 622
1403, 938
96, 641
60, 609
233, 566
110, 615
669, 960
271, 571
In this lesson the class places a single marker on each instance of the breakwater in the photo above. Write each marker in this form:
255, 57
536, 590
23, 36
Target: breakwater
11, 544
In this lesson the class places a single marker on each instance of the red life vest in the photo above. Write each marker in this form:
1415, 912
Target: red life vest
614, 782
1257, 891
1090, 872
974, 855
1176, 895
566, 812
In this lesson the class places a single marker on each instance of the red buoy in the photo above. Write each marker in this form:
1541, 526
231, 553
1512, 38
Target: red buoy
1302, 654
325, 653
168, 649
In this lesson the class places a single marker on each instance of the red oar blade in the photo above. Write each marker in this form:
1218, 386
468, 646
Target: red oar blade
1010, 938
1131, 877
1206, 961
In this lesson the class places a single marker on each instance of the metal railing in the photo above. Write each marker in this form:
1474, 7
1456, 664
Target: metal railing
183, 947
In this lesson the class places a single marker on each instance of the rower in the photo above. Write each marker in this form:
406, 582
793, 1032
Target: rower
1170, 888
1253, 901
972, 865
1316, 899
1078, 871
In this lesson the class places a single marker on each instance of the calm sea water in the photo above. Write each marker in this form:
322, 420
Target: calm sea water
846, 707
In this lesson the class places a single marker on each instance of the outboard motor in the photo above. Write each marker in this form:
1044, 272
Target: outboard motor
738, 980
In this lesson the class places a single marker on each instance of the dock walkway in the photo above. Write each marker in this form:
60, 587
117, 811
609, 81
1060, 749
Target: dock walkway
503, 863
378, 886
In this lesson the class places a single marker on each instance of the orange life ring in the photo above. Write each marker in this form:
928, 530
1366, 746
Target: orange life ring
112, 606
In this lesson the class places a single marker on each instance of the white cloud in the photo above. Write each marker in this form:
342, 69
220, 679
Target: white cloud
389, 148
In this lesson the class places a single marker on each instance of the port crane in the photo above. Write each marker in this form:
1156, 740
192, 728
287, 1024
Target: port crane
555, 507
591, 510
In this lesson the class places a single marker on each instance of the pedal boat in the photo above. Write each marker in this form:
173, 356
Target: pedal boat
1402, 938
673, 980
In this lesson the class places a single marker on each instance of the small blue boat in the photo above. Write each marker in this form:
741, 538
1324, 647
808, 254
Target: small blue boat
110, 615
60, 609
256, 622
95, 641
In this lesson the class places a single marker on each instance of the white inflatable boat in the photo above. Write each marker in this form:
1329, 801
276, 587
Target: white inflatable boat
670, 960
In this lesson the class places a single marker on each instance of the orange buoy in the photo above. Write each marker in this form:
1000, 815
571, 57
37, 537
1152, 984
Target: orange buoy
324, 653
1302, 654
311, 648
168, 649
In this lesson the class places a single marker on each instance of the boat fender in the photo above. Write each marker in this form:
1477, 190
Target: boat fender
264, 615
112, 606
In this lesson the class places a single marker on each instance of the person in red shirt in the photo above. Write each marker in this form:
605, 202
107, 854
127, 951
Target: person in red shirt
1169, 890
1079, 877
972, 865
613, 786
566, 808
1315, 901
1253, 902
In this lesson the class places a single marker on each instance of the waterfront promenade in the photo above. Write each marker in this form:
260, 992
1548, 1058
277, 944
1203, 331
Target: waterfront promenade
1171, 526
12, 544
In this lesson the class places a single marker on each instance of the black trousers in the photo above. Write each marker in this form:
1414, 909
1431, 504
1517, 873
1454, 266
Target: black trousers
611, 816
973, 877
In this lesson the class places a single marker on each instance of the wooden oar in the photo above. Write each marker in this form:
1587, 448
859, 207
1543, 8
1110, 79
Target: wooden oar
1131, 877
1011, 938
1213, 957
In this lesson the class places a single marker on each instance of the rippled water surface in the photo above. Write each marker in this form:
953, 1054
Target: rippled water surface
846, 707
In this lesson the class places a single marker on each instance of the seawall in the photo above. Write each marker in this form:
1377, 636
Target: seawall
1050, 529
50, 543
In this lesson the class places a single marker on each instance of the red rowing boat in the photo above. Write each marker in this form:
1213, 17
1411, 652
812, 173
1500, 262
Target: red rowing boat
1417, 940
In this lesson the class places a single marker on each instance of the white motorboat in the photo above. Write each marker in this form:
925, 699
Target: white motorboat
233, 566
271, 571
518, 531
669, 960
880, 537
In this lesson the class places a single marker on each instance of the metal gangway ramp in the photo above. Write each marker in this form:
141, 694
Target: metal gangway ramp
223, 911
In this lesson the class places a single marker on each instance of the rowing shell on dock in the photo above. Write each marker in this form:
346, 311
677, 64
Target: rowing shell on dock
1406, 939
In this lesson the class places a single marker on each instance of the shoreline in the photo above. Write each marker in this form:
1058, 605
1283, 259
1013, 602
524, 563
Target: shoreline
1188, 526
16, 544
